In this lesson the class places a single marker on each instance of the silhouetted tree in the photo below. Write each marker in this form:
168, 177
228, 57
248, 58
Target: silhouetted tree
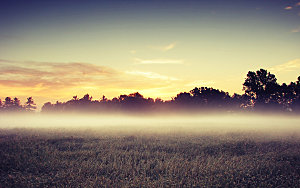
75, 98
135, 101
1, 105
136, 95
59, 106
294, 92
158, 101
8, 103
17, 105
48, 107
262, 89
103, 99
184, 99
86, 98
210, 97
237, 101
30, 105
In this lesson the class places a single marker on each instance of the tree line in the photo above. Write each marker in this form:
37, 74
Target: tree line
14, 105
261, 93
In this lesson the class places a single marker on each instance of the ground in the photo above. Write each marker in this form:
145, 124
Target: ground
42, 158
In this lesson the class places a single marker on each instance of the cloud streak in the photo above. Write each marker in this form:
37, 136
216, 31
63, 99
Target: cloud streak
296, 30
201, 83
288, 8
169, 47
159, 61
165, 48
52, 79
151, 75
286, 67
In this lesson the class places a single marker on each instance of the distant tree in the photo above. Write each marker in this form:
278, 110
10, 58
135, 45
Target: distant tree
48, 107
286, 95
183, 98
1, 105
134, 101
210, 97
122, 98
30, 105
16, 101
237, 101
158, 101
294, 90
17, 104
103, 99
262, 89
86, 98
136, 95
196, 92
59, 106
8, 103
149, 101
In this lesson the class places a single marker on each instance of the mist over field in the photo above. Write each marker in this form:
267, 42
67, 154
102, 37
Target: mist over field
216, 150
280, 125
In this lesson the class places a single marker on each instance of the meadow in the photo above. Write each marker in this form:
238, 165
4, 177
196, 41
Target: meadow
214, 151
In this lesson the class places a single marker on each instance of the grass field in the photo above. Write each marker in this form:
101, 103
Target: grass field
36, 157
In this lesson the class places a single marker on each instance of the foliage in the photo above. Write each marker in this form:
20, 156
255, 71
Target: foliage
14, 105
30, 105
262, 88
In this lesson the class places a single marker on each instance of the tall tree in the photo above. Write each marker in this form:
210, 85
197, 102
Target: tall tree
183, 99
86, 98
48, 107
30, 105
262, 88
1, 105
8, 103
17, 104
295, 92
209, 97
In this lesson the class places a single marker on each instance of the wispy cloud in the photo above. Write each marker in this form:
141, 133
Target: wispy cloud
54, 79
296, 30
132, 51
151, 75
200, 83
159, 61
291, 7
288, 8
169, 47
164, 48
289, 66
51, 75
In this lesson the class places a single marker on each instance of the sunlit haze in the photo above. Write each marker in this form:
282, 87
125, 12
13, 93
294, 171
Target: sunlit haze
214, 124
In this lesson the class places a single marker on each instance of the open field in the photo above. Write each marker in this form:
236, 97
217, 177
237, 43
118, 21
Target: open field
199, 152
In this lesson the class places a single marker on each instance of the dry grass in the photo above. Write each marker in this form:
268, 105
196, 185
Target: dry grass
31, 158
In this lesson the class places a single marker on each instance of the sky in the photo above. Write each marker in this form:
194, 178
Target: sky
56, 49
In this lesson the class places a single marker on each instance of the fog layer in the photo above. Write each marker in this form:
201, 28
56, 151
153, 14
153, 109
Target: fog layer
205, 124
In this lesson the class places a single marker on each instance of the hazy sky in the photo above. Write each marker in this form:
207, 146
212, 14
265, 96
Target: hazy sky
52, 50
